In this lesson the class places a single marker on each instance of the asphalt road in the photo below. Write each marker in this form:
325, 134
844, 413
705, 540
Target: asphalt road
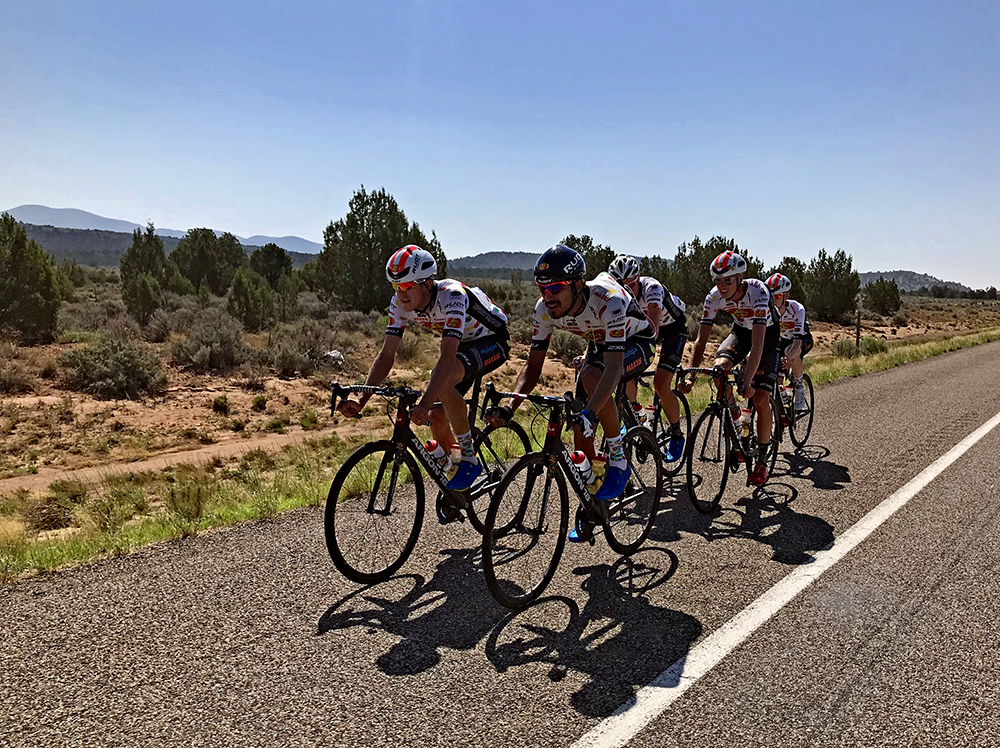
249, 637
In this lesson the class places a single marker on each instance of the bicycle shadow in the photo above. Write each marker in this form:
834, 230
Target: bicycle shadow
810, 463
451, 610
619, 638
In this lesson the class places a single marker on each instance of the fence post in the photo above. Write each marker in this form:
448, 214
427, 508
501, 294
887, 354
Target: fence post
857, 332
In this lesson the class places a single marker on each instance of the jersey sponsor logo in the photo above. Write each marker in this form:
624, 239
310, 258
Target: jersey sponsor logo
575, 266
492, 359
601, 312
761, 312
454, 322
456, 293
616, 333
633, 364
543, 266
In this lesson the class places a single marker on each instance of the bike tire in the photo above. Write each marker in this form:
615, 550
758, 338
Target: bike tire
800, 425
497, 448
672, 469
708, 458
632, 515
516, 527
364, 543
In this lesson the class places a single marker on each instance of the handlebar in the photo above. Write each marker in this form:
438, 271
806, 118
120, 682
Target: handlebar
407, 395
547, 401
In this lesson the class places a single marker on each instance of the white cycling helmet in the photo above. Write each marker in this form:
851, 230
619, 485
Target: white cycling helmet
726, 264
411, 263
623, 267
778, 283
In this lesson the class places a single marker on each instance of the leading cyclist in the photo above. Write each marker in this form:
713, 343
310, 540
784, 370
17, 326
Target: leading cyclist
796, 339
665, 313
620, 347
474, 341
754, 337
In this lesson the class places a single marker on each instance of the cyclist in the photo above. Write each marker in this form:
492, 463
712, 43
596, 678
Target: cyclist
620, 347
665, 313
754, 337
474, 341
796, 339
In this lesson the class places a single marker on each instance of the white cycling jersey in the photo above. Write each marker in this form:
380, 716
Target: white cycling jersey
793, 321
753, 307
610, 316
455, 310
653, 295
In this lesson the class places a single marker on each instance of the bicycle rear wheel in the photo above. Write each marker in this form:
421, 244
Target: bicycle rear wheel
708, 460
801, 422
631, 516
497, 448
374, 511
525, 531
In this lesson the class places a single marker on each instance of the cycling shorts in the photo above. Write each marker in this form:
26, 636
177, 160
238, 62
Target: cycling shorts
479, 357
737, 346
637, 356
671, 339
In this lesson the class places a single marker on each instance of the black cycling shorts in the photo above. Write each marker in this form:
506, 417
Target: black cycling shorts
480, 357
671, 351
737, 346
807, 345
637, 356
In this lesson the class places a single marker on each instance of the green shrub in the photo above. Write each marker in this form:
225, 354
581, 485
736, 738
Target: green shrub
260, 403
309, 420
870, 346
221, 405
520, 331
301, 346
566, 345
257, 459
900, 319
54, 510
114, 369
409, 347
844, 348
215, 343
14, 380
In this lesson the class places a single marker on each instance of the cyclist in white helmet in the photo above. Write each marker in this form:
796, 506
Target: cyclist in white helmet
665, 313
796, 338
754, 337
474, 341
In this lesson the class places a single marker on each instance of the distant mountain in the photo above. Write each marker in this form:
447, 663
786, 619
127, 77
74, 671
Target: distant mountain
71, 218
99, 248
907, 280
495, 261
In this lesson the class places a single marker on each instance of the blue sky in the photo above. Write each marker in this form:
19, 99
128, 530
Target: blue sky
788, 126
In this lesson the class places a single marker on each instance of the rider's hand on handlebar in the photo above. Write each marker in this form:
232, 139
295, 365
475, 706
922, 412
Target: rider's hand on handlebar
419, 415
748, 391
350, 408
587, 421
685, 385
499, 416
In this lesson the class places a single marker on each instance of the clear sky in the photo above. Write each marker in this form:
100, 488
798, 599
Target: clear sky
789, 126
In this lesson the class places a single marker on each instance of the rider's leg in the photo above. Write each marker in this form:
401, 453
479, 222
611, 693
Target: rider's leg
454, 413
590, 375
668, 400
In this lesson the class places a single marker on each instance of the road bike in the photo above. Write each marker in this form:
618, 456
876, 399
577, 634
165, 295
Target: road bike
798, 422
376, 502
718, 446
528, 517
660, 426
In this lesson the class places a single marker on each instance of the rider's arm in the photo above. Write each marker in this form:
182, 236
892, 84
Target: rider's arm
382, 365
614, 365
654, 314
704, 331
446, 363
793, 349
528, 377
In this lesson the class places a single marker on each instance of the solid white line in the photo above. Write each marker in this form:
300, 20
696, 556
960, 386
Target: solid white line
651, 701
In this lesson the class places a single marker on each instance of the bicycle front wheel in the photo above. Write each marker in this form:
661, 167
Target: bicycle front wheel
497, 448
671, 469
631, 516
525, 531
708, 460
801, 422
373, 512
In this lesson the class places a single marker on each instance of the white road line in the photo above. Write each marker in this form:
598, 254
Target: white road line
652, 700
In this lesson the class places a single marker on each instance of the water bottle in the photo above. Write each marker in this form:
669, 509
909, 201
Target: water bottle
786, 395
438, 454
640, 413
745, 419
583, 465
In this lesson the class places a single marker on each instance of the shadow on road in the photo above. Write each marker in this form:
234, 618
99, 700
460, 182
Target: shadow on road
810, 463
453, 609
619, 638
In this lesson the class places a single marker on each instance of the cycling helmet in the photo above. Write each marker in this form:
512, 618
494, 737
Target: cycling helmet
623, 267
559, 263
778, 283
728, 263
411, 263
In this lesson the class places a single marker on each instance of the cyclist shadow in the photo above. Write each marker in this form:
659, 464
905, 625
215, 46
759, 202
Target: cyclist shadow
453, 609
766, 516
677, 514
810, 463
620, 637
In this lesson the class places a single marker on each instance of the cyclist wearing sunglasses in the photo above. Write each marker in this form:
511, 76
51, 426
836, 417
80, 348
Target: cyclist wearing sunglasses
665, 313
474, 341
620, 347
754, 337
796, 339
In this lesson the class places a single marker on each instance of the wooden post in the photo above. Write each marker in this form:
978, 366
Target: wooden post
857, 332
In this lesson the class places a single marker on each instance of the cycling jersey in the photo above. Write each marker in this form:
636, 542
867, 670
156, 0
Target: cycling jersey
610, 316
754, 306
455, 311
652, 295
793, 321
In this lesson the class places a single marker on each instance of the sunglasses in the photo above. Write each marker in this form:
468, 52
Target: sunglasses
405, 286
552, 288
727, 281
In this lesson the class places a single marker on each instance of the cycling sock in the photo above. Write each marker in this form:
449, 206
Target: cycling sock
465, 443
675, 429
616, 453
763, 449
797, 381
